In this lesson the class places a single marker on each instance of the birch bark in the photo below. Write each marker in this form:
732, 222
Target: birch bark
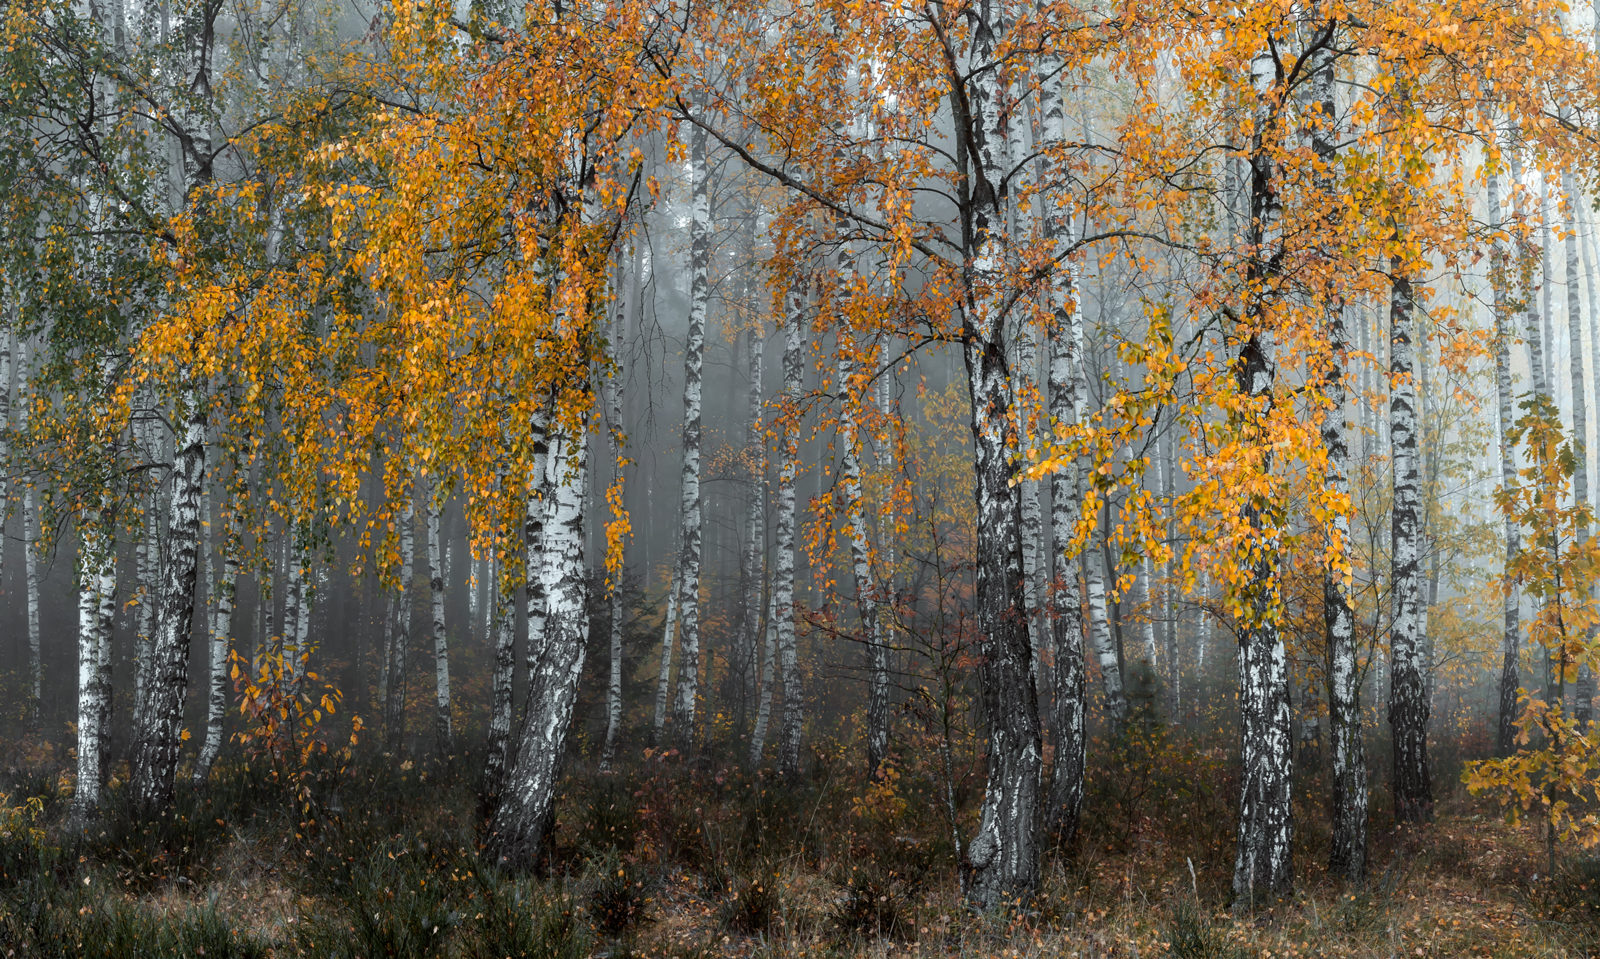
1408, 702
782, 617
521, 818
97, 580
1262, 865
441, 639
685, 708
155, 761
1511, 634
220, 635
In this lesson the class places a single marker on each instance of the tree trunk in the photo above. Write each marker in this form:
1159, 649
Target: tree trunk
97, 582
1068, 718
782, 617
622, 321
1003, 855
1100, 638
155, 762
147, 566
1584, 689
520, 821
221, 635
685, 709
754, 565
1262, 866
866, 583
441, 639
394, 711
540, 496
1511, 635
504, 630
669, 634
1347, 852
1408, 702
30, 560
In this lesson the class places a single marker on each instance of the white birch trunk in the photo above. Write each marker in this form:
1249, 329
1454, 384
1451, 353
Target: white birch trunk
622, 320
441, 639
1069, 726
1003, 854
521, 818
504, 631
1511, 633
669, 635
782, 617
158, 741
30, 558
394, 713
685, 709
753, 568
866, 584
97, 579
221, 636
1408, 704
1100, 638
1262, 866
1347, 853
1584, 690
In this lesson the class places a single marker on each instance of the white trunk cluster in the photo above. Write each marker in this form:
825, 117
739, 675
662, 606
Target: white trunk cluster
158, 733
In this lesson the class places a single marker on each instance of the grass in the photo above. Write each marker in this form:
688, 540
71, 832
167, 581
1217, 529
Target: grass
664, 859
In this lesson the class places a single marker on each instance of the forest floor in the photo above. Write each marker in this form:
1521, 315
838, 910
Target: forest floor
663, 860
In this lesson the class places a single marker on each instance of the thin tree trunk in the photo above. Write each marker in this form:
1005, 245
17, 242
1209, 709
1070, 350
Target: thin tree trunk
754, 566
624, 320
504, 630
147, 556
221, 635
866, 583
1347, 856
1100, 638
768, 681
685, 709
30, 559
394, 712
441, 639
669, 634
1584, 688
1408, 703
155, 762
783, 616
1547, 288
295, 558
1511, 635
1347, 851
